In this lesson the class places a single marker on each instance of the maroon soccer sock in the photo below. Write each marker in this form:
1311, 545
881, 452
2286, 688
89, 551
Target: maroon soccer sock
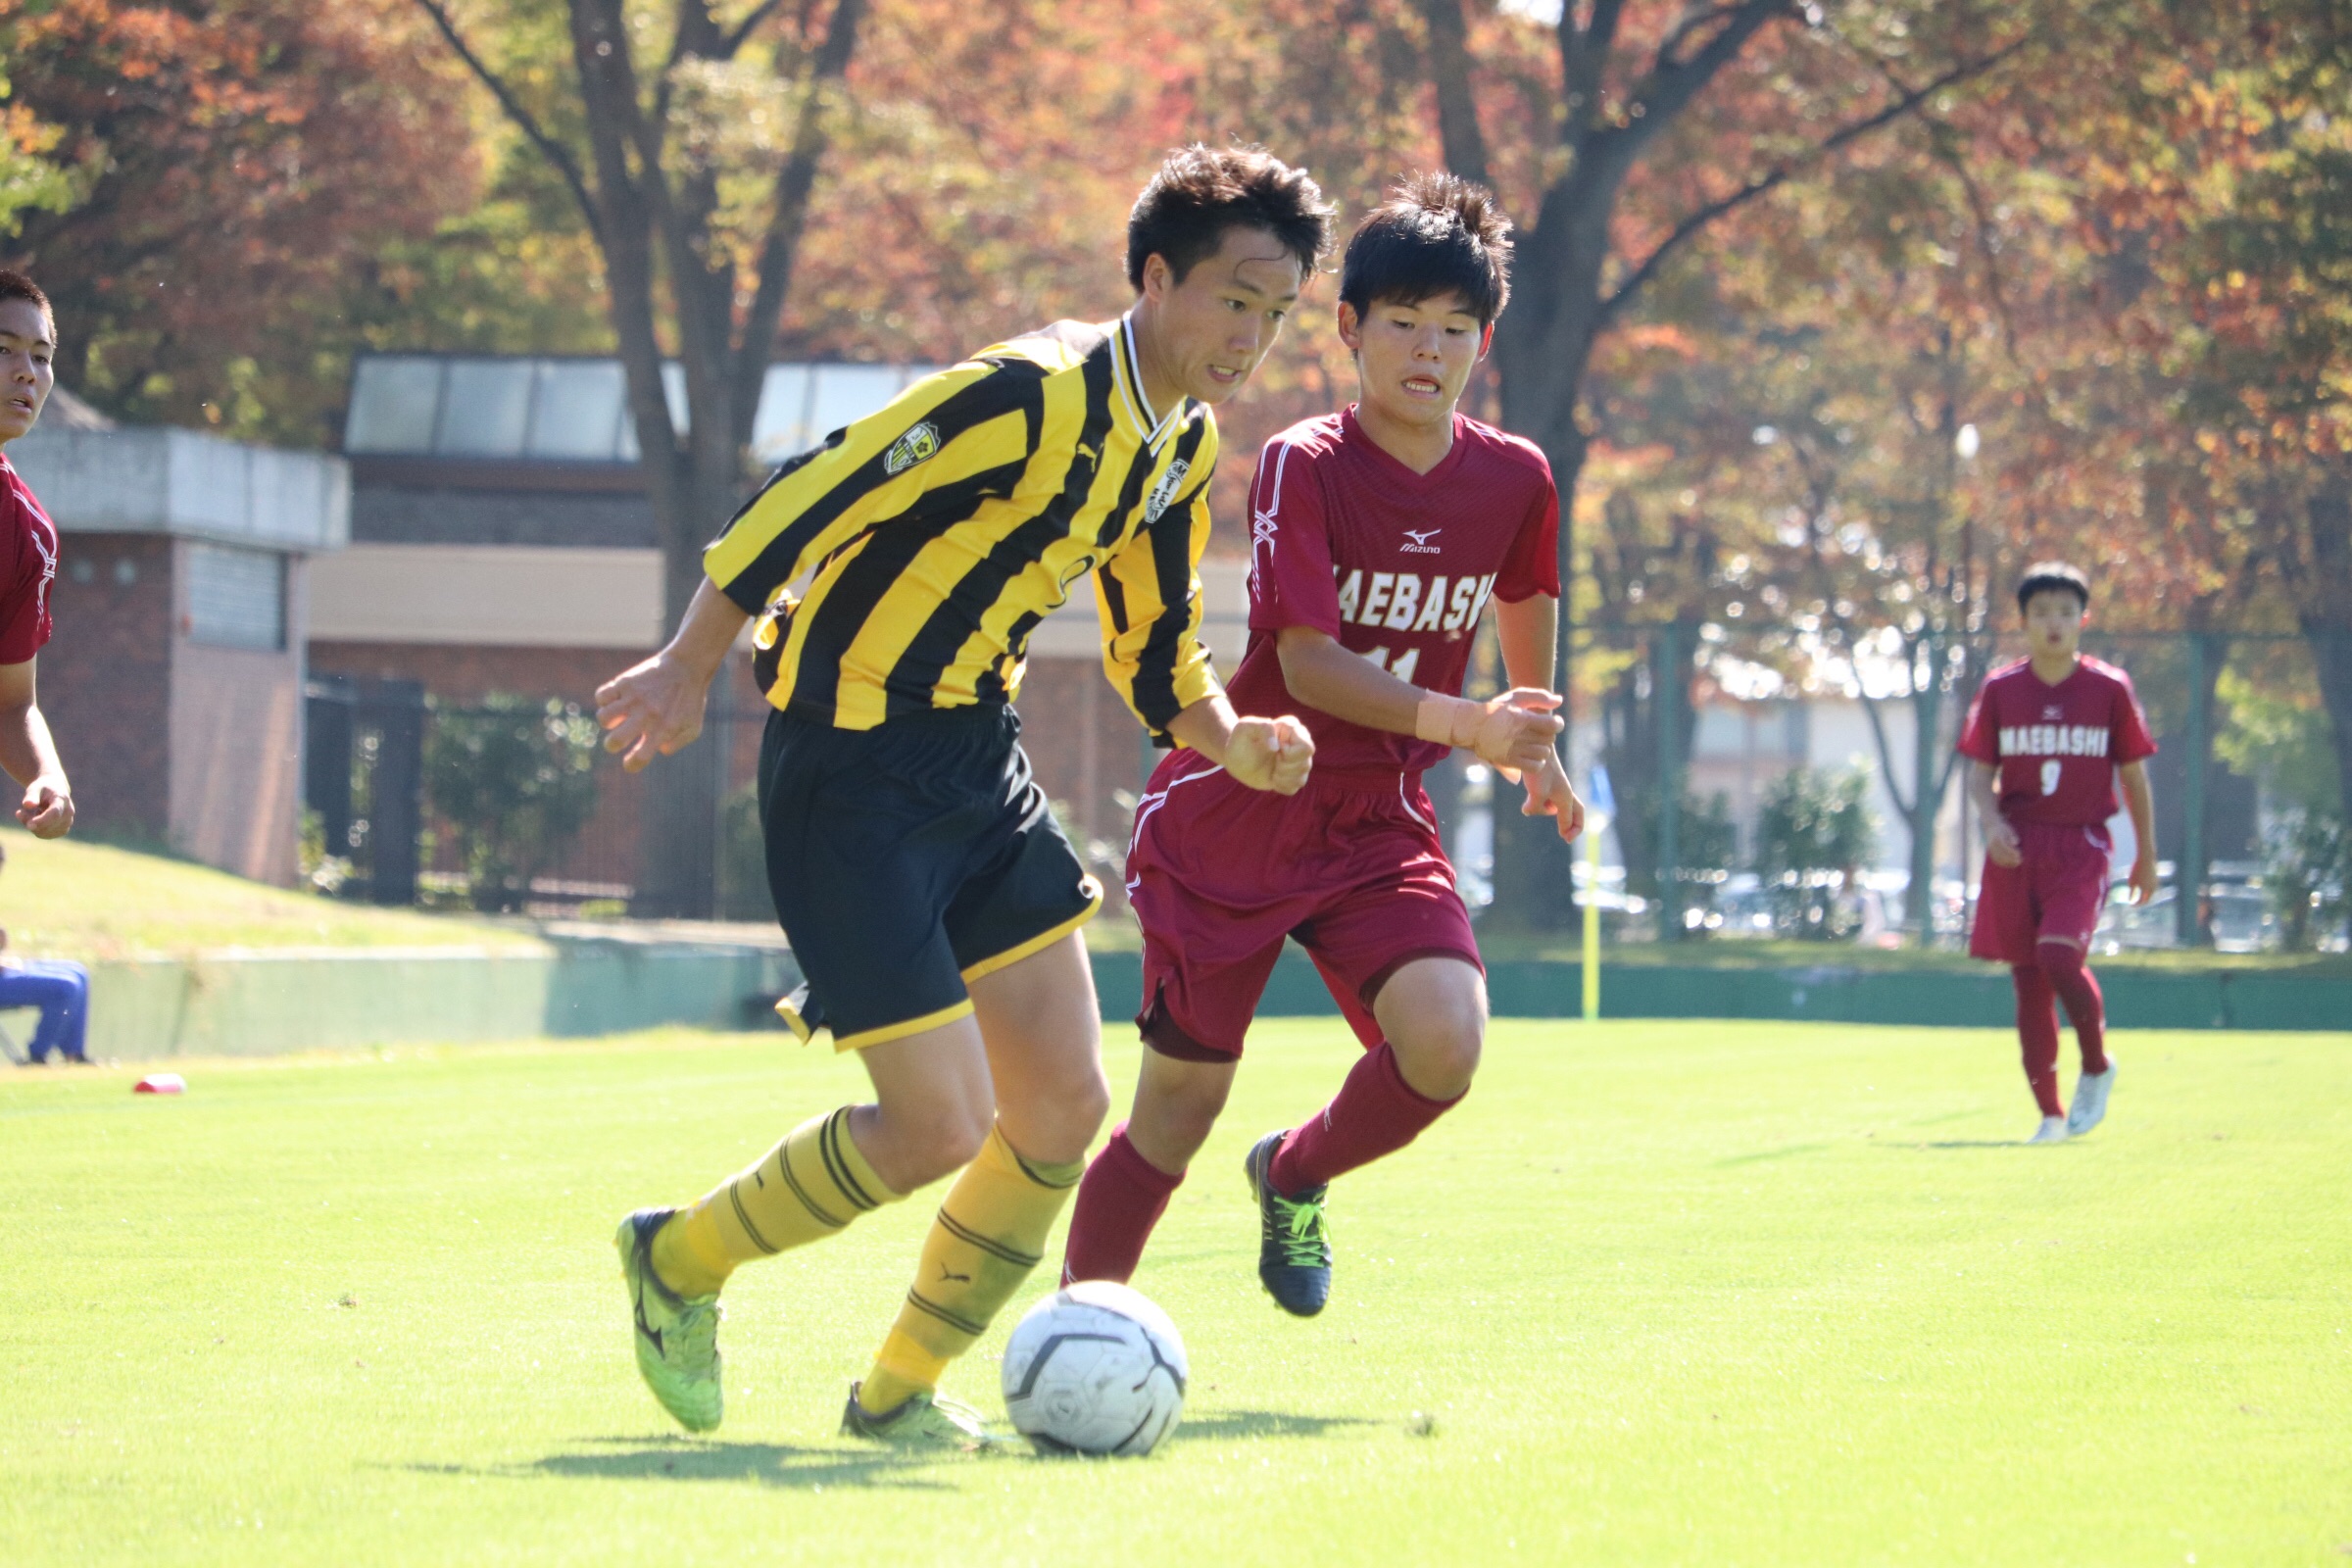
1376, 1112
2038, 1034
1119, 1200
2071, 977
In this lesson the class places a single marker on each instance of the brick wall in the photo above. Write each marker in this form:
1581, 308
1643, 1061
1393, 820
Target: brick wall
106, 680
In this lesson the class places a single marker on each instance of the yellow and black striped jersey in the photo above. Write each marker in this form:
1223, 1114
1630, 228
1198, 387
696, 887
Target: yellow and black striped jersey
934, 535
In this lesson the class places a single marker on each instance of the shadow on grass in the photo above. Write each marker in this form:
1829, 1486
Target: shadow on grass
770, 1464
1967, 1142
810, 1469
1232, 1424
1771, 1153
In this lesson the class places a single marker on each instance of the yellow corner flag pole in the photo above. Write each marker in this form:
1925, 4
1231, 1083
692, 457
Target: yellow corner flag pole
1602, 805
1592, 921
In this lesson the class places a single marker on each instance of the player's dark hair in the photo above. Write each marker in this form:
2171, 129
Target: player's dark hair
15, 285
2052, 577
1200, 192
1436, 234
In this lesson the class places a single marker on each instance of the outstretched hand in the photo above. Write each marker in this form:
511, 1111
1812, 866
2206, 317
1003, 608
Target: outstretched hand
1270, 754
2001, 842
1514, 730
650, 710
1550, 794
47, 810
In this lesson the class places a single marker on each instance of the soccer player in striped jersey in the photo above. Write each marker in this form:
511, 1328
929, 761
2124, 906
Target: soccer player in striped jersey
894, 576
1377, 536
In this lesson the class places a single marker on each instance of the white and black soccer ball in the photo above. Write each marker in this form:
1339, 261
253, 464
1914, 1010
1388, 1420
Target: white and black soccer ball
1095, 1369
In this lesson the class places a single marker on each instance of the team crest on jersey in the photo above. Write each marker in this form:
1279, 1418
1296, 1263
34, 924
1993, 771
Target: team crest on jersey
916, 445
1165, 491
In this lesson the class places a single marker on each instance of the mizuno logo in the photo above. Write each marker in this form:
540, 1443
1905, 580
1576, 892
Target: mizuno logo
916, 446
945, 1274
1165, 491
1421, 545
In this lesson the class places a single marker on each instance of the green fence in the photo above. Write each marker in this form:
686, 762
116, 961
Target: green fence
1826, 993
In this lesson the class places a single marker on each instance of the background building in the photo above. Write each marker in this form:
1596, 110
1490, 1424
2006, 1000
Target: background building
174, 682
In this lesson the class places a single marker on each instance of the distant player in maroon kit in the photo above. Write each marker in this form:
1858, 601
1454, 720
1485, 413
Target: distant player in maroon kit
28, 563
1377, 537
2052, 735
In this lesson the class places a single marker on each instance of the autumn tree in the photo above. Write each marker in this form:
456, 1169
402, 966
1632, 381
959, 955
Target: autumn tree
1656, 123
690, 141
2223, 172
207, 182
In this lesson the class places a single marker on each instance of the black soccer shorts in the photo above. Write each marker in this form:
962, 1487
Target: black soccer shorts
907, 860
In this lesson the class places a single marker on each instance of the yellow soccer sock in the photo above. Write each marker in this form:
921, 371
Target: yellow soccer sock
806, 1188
988, 1234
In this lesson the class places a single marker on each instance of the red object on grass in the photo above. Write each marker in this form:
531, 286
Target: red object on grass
161, 1083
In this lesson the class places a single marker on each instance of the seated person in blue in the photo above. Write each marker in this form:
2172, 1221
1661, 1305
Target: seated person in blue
59, 987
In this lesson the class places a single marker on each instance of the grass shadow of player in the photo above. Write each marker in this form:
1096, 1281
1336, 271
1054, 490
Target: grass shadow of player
1965, 1143
1231, 1424
1772, 1153
770, 1464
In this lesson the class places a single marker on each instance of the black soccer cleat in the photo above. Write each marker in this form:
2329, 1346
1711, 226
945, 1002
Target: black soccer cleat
1293, 1248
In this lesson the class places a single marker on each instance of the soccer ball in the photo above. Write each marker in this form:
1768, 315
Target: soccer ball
1095, 1369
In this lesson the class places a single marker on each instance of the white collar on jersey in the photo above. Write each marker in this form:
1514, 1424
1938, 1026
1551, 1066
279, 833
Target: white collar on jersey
1151, 426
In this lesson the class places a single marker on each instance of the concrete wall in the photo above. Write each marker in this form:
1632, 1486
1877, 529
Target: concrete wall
236, 760
188, 484
504, 596
267, 1003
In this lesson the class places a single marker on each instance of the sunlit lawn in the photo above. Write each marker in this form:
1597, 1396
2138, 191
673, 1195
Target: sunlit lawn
78, 900
1669, 1293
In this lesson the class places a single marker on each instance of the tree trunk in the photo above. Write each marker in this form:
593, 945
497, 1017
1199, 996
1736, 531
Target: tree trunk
1541, 347
2324, 610
1927, 779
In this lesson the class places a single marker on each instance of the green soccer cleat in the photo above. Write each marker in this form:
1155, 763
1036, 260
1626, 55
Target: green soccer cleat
920, 1420
1293, 1247
676, 1336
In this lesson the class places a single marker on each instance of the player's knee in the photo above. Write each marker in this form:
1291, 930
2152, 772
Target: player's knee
1441, 1062
1188, 1117
1174, 1114
2058, 959
937, 1139
1085, 1106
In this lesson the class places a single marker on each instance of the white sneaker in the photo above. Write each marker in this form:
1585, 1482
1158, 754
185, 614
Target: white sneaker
2051, 1131
2090, 1099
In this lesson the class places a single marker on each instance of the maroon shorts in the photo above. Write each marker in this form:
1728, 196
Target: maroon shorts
2058, 891
1220, 873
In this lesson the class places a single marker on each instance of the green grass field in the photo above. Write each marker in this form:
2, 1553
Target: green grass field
1673, 1292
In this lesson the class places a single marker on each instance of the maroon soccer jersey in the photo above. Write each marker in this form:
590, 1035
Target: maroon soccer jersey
28, 566
2057, 747
1394, 564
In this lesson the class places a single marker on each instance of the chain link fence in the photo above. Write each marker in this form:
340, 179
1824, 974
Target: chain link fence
1778, 796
